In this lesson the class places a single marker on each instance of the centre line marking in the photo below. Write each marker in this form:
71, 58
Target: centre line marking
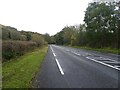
61, 71
54, 54
51, 48
103, 63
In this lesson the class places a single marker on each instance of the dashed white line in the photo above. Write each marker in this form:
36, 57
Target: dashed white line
61, 71
51, 48
102, 63
54, 54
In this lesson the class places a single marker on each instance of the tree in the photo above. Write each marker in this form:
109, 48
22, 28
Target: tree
101, 20
47, 38
59, 38
27, 34
68, 32
82, 37
23, 38
38, 39
10, 33
73, 40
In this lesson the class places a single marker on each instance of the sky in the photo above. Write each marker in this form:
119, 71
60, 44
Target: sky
42, 16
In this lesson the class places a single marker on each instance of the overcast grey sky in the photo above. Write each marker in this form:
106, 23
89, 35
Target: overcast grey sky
42, 16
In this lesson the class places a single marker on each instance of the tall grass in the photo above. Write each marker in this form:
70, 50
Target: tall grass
19, 72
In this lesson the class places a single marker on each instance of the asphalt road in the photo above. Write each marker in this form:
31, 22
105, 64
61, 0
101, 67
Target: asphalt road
66, 67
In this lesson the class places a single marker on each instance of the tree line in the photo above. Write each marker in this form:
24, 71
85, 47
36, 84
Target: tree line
11, 33
101, 28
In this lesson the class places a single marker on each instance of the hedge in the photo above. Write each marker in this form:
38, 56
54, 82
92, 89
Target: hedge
12, 49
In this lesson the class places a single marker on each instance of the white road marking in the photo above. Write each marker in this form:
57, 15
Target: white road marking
110, 60
54, 54
68, 50
61, 71
103, 63
77, 54
115, 62
87, 53
51, 48
116, 66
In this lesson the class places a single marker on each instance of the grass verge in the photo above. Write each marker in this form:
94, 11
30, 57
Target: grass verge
105, 50
18, 73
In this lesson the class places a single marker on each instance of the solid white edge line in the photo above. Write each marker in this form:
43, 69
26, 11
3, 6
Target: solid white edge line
102, 63
61, 71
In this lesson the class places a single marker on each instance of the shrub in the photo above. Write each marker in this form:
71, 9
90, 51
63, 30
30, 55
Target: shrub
11, 49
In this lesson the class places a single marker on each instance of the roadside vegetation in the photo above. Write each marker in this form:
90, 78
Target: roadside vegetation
19, 72
22, 55
23, 51
16, 43
100, 31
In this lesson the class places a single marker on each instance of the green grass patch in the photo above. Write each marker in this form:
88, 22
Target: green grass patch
18, 73
105, 50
